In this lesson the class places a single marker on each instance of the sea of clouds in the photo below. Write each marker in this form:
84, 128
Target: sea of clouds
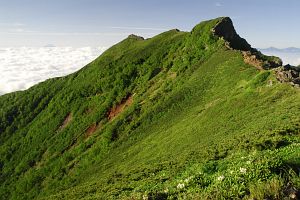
288, 57
22, 67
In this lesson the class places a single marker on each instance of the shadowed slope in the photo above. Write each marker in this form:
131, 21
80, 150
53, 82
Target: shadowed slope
226, 30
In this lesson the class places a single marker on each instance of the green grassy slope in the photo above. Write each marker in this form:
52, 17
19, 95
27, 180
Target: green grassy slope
199, 123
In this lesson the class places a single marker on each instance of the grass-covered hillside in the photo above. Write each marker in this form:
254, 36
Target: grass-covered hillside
183, 115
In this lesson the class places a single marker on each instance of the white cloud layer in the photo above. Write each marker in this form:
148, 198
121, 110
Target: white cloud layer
22, 67
292, 58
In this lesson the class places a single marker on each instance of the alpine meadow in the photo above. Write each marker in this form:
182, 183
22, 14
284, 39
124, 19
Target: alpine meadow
182, 115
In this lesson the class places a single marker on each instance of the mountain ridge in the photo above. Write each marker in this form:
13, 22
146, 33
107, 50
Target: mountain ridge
179, 115
287, 49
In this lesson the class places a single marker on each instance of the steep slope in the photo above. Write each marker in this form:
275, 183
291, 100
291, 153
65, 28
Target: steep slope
180, 115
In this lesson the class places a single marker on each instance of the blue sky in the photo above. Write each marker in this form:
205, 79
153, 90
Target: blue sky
263, 23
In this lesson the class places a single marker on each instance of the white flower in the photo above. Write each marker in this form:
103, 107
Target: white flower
180, 186
243, 170
166, 190
188, 179
145, 197
221, 178
293, 196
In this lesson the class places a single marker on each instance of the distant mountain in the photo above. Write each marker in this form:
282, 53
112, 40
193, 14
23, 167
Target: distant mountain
289, 55
292, 49
182, 115
286, 50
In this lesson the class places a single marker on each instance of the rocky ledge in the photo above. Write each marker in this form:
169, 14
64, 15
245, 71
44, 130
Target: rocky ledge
226, 30
288, 74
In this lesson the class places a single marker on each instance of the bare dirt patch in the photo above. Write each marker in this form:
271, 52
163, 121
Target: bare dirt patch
90, 130
66, 121
118, 109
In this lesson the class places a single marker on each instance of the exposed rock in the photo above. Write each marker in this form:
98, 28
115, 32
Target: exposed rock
226, 30
252, 60
135, 37
270, 62
260, 61
289, 74
292, 192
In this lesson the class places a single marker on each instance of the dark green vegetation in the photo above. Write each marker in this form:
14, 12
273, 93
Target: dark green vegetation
179, 115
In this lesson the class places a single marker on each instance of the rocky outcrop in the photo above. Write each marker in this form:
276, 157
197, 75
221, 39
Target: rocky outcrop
251, 59
260, 61
288, 74
225, 30
135, 37
271, 62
